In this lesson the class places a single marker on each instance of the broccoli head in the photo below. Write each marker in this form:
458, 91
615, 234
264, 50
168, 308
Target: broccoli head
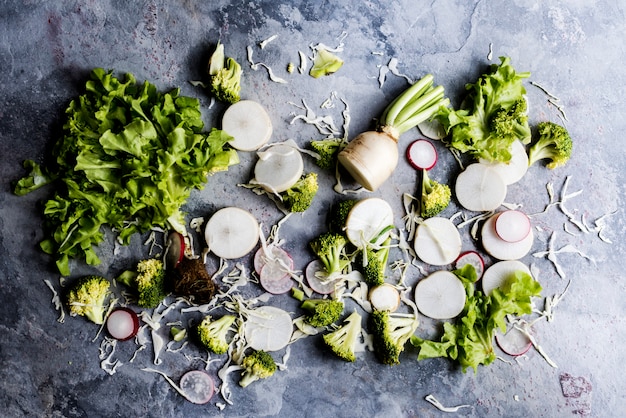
87, 297
299, 197
374, 266
338, 214
327, 149
225, 76
390, 334
148, 280
329, 248
322, 312
212, 333
257, 365
511, 123
342, 341
435, 196
554, 143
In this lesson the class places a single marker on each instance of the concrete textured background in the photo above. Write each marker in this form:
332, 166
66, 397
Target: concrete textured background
574, 49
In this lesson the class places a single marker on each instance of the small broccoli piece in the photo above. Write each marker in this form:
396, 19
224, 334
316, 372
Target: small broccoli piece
322, 312
299, 197
149, 282
435, 196
343, 340
390, 334
257, 365
328, 149
87, 297
225, 76
212, 333
512, 123
339, 214
373, 270
329, 248
554, 143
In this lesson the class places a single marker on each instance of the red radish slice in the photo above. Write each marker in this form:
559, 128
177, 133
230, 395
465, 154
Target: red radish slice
441, 295
480, 188
197, 386
422, 154
231, 233
175, 249
276, 255
501, 249
496, 275
122, 324
473, 258
384, 297
437, 241
512, 225
514, 342
268, 328
315, 274
274, 279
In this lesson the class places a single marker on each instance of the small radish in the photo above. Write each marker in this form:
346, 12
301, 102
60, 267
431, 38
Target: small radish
315, 274
432, 129
268, 328
441, 295
501, 249
276, 255
437, 241
122, 324
231, 233
515, 169
514, 342
480, 188
497, 274
278, 168
369, 222
197, 386
274, 279
384, 297
473, 258
422, 154
175, 249
248, 123
512, 225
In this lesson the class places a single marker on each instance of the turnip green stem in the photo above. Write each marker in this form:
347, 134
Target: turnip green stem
416, 90
422, 116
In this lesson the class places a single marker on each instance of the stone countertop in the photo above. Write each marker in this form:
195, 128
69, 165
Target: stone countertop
575, 50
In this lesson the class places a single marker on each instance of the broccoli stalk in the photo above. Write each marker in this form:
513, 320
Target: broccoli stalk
435, 196
149, 282
257, 365
212, 333
554, 143
343, 340
87, 298
322, 312
225, 76
329, 248
374, 266
327, 150
390, 334
299, 197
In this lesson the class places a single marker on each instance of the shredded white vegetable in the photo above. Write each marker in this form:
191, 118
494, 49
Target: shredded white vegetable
264, 42
106, 352
56, 301
433, 401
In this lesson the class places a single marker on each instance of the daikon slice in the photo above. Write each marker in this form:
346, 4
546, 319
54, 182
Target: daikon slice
278, 168
268, 328
497, 274
480, 188
248, 123
369, 221
231, 233
437, 241
501, 249
441, 295
515, 169
384, 297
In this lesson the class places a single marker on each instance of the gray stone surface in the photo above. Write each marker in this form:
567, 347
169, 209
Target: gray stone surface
574, 49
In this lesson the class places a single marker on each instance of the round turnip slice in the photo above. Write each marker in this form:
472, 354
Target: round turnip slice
248, 123
369, 221
175, 249
231, 233
268, 328
422, 154
515, 169
501, 249
441, 295
512, 225
473, 258
437, 241
384, 297
497, 274
274, 279
514, 342
317, 278
480, 188
278, 168
432, 129
197, 386
122, 324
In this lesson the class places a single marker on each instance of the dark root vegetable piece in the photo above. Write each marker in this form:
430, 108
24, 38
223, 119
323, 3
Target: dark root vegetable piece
191, 279
122, 324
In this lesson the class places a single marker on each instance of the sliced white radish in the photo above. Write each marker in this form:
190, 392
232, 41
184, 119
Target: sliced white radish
437, 241
278, 168
368, 222
198, 387
175, 246
480, 188
432, 129
497, 274
122, 324
274, 279
473, 258
501, 249
514, 342
318, 280
273, 254
268, 328
516, 168
231, 233
248, 123
441, 295
384, 297
422, 154
512, 225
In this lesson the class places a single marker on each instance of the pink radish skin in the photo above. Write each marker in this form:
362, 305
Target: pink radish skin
198, 387
473, 258
260, 258
422, 155
323, 288
514, 342
274, 279
122, 324
175, 249
512, 225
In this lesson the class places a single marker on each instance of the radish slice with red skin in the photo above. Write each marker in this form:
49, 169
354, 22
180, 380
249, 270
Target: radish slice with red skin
274, 279
122, 324
480, 188
422, 154
437, 241
501, 249
514, 342
276, 255
315, 273
384, 297
441, 295
198, 387
473, 258
175, 249
512, 225
497, 274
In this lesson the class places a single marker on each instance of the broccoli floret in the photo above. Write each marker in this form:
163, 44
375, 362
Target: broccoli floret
149, 282
435, 196
329, 248
212, 333
512, 123
257, 365
390, 333
225, 76
87, 297
322, 312
343, 340
339, 214
299, 197
554, 143
373, 270
328, 149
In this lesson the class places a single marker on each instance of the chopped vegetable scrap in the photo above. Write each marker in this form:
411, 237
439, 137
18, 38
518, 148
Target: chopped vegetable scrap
225, 74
